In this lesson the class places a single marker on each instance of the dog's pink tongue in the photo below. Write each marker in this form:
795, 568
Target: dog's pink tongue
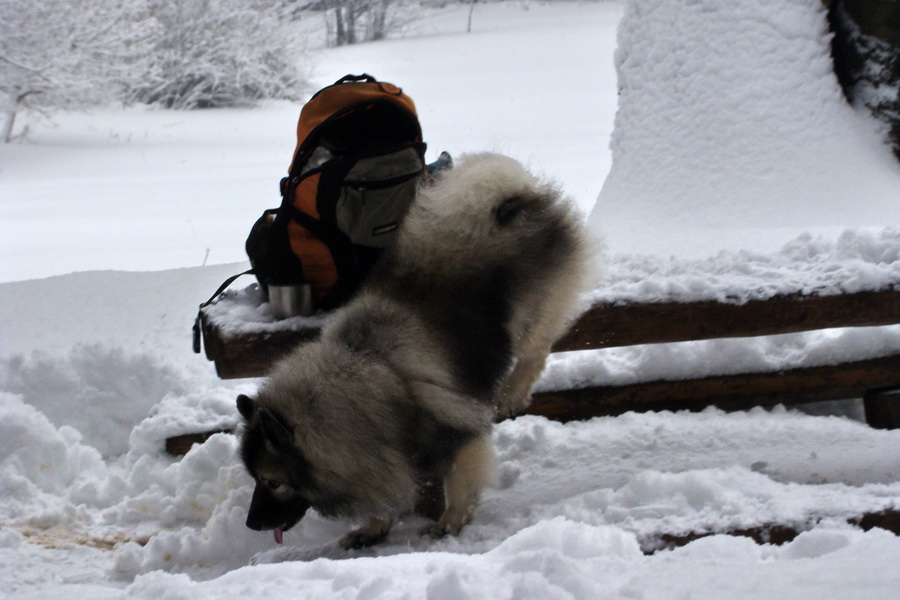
279, 535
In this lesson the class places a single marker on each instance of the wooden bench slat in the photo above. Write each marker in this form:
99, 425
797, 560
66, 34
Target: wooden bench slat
628, 324
729, 392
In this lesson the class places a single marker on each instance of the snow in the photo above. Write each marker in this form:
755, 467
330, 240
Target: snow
857, 261
731, 126
556, 522
96, 369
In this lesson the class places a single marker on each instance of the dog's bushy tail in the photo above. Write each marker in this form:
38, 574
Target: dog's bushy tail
490, 207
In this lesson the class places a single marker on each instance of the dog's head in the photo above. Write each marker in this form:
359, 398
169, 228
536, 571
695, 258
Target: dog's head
279, 468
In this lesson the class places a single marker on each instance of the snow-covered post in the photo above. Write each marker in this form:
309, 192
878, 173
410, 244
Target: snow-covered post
732, 128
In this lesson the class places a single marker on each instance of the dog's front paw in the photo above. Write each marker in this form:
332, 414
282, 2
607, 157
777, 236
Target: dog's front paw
374, 532
436, 531
446, 526
361, 539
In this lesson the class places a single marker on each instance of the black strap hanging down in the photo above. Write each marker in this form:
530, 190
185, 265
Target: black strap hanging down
198, 327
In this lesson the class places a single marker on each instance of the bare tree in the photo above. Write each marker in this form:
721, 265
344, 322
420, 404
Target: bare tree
356, 21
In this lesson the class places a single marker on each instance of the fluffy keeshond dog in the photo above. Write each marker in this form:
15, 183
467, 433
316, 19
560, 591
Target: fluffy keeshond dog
448, 333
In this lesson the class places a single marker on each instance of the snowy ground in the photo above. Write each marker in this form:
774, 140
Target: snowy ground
96, 368
186, 185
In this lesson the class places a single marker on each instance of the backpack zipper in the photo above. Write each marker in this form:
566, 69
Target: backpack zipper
380, 184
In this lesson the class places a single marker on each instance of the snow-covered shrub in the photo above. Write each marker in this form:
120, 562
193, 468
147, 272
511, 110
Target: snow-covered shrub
215, 53
175, 53
60, 54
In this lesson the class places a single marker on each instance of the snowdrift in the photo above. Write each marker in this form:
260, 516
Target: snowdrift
732, 132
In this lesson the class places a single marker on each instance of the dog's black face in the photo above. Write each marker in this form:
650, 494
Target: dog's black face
269, 454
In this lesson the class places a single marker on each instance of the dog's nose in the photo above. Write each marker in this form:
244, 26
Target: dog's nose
254, 523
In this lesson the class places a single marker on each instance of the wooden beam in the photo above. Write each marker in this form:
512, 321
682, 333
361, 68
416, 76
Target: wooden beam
729, 392
771, 533
627, 324
612, 325
180, 445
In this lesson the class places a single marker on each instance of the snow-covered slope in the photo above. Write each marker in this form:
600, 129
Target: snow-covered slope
732, 132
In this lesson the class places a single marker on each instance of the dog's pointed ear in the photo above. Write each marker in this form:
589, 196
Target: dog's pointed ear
275, 428
246, 406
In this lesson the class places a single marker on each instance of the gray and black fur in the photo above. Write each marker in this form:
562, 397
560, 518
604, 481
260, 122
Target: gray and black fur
450, 331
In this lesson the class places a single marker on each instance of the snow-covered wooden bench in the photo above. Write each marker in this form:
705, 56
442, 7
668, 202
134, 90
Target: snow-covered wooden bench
243, 340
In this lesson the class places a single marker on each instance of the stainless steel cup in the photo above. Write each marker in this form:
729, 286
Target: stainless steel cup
294, 300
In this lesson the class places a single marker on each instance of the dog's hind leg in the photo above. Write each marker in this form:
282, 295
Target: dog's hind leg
373, 532
473, 468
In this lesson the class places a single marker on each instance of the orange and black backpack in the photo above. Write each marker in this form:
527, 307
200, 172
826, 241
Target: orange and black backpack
358, 160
